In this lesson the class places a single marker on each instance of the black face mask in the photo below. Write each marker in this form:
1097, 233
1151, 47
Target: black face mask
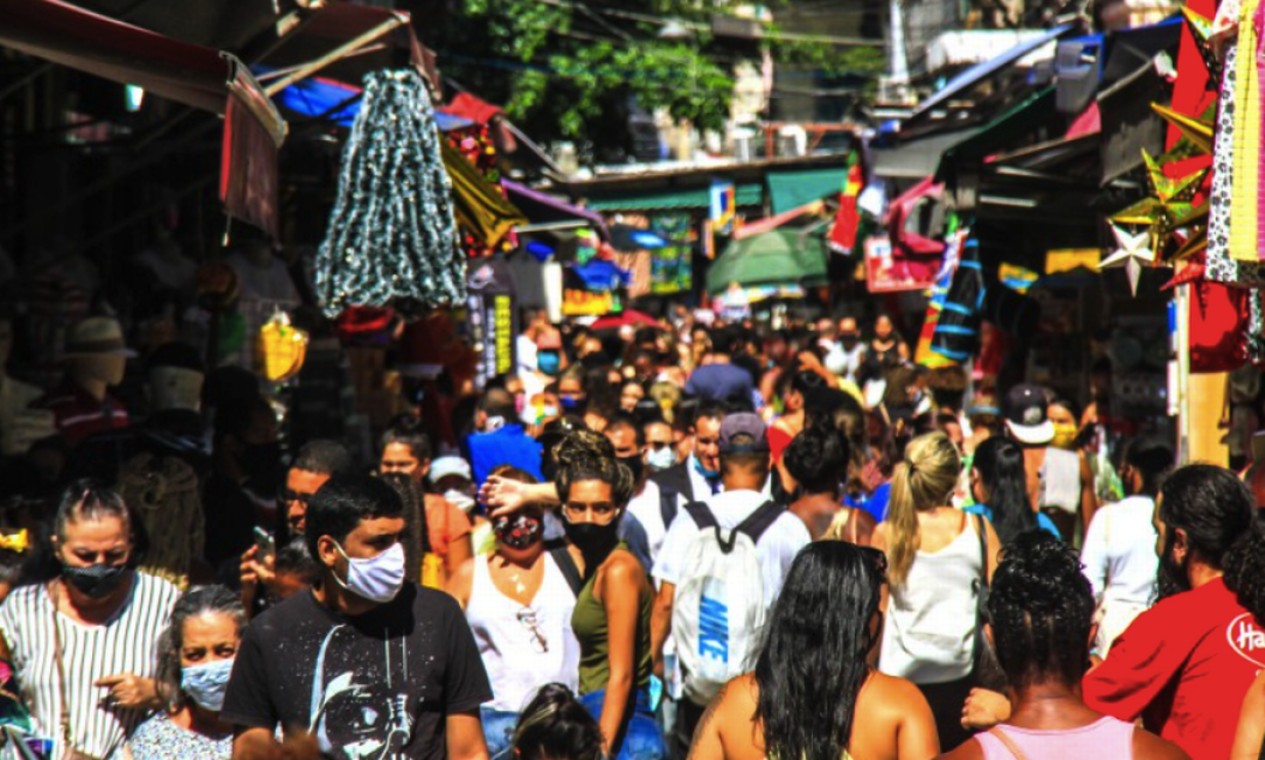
594, 541
635, 465
96, 581
262, 464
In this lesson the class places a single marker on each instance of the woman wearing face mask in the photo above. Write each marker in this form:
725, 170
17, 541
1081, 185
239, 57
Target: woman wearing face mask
195, 658
519, 605
612, 610
81, 638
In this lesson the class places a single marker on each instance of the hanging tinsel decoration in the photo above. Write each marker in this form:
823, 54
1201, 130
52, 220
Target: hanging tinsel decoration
391, 234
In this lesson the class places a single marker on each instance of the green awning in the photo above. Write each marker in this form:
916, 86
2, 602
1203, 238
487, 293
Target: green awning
788, 190
1000, 134
748, 194
782, 256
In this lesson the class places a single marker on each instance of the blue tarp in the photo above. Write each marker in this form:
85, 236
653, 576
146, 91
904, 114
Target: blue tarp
336, 101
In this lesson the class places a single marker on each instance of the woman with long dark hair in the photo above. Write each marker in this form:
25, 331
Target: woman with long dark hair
814, 695
1000, 491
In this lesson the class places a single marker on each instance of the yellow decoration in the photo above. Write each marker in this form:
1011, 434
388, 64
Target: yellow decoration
281, 348
1197, 130
16, 542
1061, 260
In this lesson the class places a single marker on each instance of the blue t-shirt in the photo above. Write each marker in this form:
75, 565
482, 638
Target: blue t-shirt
875, 504
720, 382
510, 445
1043, 520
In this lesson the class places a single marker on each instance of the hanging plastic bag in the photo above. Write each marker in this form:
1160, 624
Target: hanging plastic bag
281, 348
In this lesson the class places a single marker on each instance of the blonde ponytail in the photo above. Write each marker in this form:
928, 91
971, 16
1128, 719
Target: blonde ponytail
922, 480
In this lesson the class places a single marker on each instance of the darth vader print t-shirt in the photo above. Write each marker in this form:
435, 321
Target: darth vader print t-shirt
377, 685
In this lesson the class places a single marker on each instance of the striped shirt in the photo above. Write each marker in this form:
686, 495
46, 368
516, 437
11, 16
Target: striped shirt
128, 643
78, 414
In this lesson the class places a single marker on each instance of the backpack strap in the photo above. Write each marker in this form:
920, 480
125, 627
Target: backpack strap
701, 515
667, 507
1007, 742
562, 558
760, 520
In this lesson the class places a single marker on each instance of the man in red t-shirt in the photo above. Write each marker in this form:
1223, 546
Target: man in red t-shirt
1184, 665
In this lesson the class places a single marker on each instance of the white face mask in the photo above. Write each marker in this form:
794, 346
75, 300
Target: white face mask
459, 499
377, 579
661, 459
206, 682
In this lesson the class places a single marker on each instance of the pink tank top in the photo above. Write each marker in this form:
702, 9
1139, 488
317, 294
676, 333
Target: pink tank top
1106, 737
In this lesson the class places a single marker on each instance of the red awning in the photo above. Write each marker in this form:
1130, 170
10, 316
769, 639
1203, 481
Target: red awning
195, 75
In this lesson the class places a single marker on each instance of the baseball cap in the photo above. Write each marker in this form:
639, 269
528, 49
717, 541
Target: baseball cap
442, 467
742, 423
1025, 415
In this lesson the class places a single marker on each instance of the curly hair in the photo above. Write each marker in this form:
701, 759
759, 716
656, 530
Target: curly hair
818, 460
1041, 608
812, 664
585, 455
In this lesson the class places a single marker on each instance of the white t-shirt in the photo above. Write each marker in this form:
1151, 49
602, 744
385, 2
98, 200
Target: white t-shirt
1119, 552
776, 548
646, 508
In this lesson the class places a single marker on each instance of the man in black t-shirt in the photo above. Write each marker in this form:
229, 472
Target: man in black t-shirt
371, 666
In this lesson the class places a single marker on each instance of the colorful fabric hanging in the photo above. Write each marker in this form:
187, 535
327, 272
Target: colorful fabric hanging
1245, 190
1218, 322
391, 233
957, 331
843, 235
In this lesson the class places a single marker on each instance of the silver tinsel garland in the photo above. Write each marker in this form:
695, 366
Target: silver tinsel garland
391, 233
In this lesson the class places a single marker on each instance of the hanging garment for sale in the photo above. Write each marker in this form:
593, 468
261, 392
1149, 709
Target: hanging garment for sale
391, 233
1218, 327
957, 331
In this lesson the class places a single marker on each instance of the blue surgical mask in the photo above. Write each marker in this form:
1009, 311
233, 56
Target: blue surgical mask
660, 459
206, 682
548, 362
709, 474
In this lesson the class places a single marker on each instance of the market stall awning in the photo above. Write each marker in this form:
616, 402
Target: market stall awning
961, 47
542, 208
746, 194
186, 73
1000, 133
917, 158
338, 102
790, 190
979, 72
71, 36
780, 256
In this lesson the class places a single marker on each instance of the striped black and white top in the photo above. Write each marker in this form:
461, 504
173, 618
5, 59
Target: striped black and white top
128, 643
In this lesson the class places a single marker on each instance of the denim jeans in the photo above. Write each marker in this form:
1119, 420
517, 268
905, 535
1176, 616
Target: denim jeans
498, 732
642, 739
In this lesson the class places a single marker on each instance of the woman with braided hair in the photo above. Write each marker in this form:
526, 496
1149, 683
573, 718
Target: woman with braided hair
1041, 612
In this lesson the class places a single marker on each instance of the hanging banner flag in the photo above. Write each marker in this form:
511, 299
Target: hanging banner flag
843, 236
723, 204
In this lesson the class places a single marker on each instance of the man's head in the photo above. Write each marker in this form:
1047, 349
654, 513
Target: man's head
352, 519
1026, 419
245, 443
707, 436
495, 410
1201, 512
316, 463
660, 445
1041, 611
744, 452
629, 441
849, 332
1145, 464
405, 449
818, 460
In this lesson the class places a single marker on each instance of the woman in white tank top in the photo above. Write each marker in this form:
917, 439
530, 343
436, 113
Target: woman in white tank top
934, 563
518, 604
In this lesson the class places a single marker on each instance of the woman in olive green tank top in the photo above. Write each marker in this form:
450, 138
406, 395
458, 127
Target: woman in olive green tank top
612, 611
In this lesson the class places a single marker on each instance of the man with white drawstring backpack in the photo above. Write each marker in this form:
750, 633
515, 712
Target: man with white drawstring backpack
721, 566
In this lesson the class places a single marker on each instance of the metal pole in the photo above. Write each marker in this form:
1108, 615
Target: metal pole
338, 53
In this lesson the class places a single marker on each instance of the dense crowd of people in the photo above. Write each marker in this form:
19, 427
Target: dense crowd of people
684, 540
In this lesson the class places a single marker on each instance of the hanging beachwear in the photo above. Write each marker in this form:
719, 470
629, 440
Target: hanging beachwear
957, 331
